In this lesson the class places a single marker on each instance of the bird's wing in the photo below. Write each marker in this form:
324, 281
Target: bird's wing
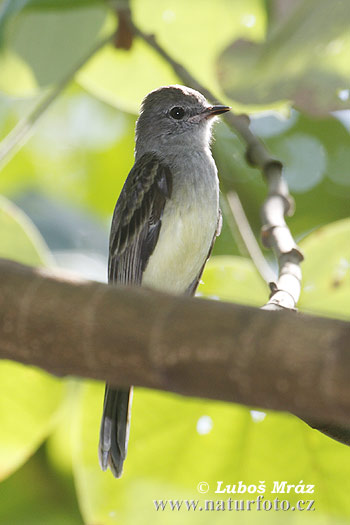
191, 290
137, 219
134, 233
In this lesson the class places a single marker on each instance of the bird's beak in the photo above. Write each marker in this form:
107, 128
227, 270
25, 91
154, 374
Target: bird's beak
212, 111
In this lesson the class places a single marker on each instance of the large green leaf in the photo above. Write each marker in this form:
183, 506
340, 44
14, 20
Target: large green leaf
233, 279
177, 442
304, 59
29, 398
34, 495
19, 239
42, 45
29, 401
326, 283
192, 32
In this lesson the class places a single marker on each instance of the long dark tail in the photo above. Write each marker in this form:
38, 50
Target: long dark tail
114, 432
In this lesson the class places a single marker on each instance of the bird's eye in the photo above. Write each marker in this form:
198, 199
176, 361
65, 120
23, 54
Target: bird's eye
177, 113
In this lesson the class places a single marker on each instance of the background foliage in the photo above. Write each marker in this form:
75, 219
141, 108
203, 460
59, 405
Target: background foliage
287, 64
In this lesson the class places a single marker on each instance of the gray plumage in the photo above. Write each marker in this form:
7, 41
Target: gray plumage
165, 222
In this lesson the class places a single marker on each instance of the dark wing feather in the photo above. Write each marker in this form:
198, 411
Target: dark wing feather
137, 219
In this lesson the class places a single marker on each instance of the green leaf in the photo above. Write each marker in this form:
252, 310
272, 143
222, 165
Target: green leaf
176, 442
19, 238
34, 495
192, 32
230, 278
59, 443
326, 270
8, 8
42, 45
304, 59
29, 398
29, 401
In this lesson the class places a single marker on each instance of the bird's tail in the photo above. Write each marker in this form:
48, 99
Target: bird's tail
114, 432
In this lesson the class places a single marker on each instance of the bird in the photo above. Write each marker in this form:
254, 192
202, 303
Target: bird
165, 222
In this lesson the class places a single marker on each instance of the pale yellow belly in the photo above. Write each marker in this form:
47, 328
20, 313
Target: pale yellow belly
182, 248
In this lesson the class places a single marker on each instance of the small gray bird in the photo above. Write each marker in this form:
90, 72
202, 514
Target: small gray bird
165, 222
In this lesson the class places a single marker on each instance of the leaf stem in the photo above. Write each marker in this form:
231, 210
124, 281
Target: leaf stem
248, 237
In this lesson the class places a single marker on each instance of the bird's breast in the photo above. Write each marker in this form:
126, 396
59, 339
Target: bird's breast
189, 224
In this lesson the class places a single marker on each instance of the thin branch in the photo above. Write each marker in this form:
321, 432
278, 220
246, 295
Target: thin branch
25, 127
276, 235
190, 346
248, 238
229, 220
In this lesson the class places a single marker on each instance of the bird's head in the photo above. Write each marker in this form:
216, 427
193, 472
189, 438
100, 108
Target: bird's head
174, 116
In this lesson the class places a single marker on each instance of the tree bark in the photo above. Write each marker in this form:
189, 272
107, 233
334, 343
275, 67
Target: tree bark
195, 347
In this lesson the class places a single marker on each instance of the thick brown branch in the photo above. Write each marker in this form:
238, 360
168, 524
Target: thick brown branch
191, 346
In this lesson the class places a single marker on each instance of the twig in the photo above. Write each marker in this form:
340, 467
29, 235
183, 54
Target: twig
248, 238
276, 235
25, 127
230, 221
191, 346
124, 35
